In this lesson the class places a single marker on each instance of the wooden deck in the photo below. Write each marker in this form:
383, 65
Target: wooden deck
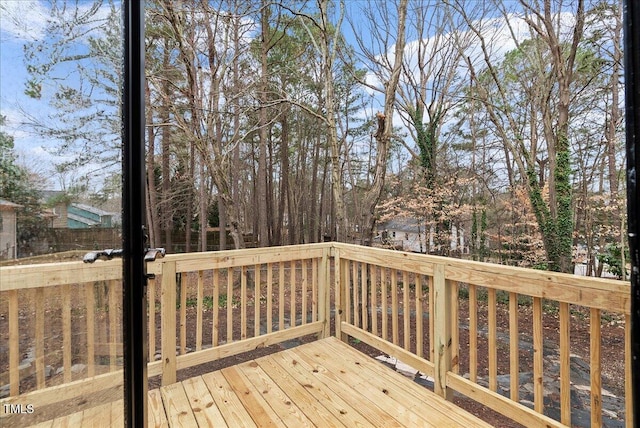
324, 383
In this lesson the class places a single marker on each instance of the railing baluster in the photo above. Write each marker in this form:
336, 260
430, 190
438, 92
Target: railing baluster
383, 300
455, 331
229, 305
565, 365
303, 310
200, 297
419, 316
374, 297
341, 287
292, 297
354, 293
473, 333
594, 369
114, 322
39, 296
14, 343
394, 307
269, 297
281, 296
364, 268
314, 290
243, 303
184, 283
432, 323
514, 356
538, 389
66, 330
493, 343
215, 338
151, 304
406, 311
257, 294
347, 290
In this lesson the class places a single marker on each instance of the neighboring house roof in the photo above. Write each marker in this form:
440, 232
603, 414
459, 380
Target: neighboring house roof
6, 205
83, 220
403, 224
93, 210
80, 215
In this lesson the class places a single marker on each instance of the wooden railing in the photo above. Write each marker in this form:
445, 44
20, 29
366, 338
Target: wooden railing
410, 306
65, 319
255, 298
441, 316
68, 316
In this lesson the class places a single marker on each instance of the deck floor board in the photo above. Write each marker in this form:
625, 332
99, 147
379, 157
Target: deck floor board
324, 383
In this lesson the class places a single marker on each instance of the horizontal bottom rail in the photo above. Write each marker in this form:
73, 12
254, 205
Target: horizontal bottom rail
493, 400
245, 345
424, 366
67, 391
516, 411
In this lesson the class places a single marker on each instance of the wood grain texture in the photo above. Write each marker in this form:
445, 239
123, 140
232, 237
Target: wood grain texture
325, 383
168, 338
204, 409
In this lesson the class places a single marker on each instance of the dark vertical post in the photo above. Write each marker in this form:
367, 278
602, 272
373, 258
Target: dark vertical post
632, 119
133, 218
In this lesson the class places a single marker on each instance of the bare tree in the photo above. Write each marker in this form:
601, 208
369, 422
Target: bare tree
550, 101
384, 53
203, 34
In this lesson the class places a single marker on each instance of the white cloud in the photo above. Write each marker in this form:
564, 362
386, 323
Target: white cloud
27, 20
23, 20
13, 122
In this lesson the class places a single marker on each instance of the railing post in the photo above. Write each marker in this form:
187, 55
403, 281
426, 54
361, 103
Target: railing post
340, 280
168, 333
324, 293
443, 338
14, 344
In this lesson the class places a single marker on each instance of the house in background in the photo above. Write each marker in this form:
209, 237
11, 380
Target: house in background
66, 215
80, 216
404, 233
410, 234
8, 229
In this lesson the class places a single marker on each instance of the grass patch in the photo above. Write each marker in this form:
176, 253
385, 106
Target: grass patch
207, 302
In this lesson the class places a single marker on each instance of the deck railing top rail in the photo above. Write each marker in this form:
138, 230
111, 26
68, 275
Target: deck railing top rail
602, 293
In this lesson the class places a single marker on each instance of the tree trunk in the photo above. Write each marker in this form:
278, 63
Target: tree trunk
222, 223
190, 196
284, 201
165, 206
385, 128
152, 192
314, 214
204, 204
261, 179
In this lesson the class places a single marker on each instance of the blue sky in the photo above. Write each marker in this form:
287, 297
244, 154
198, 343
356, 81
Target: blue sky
13, 35
22, 21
